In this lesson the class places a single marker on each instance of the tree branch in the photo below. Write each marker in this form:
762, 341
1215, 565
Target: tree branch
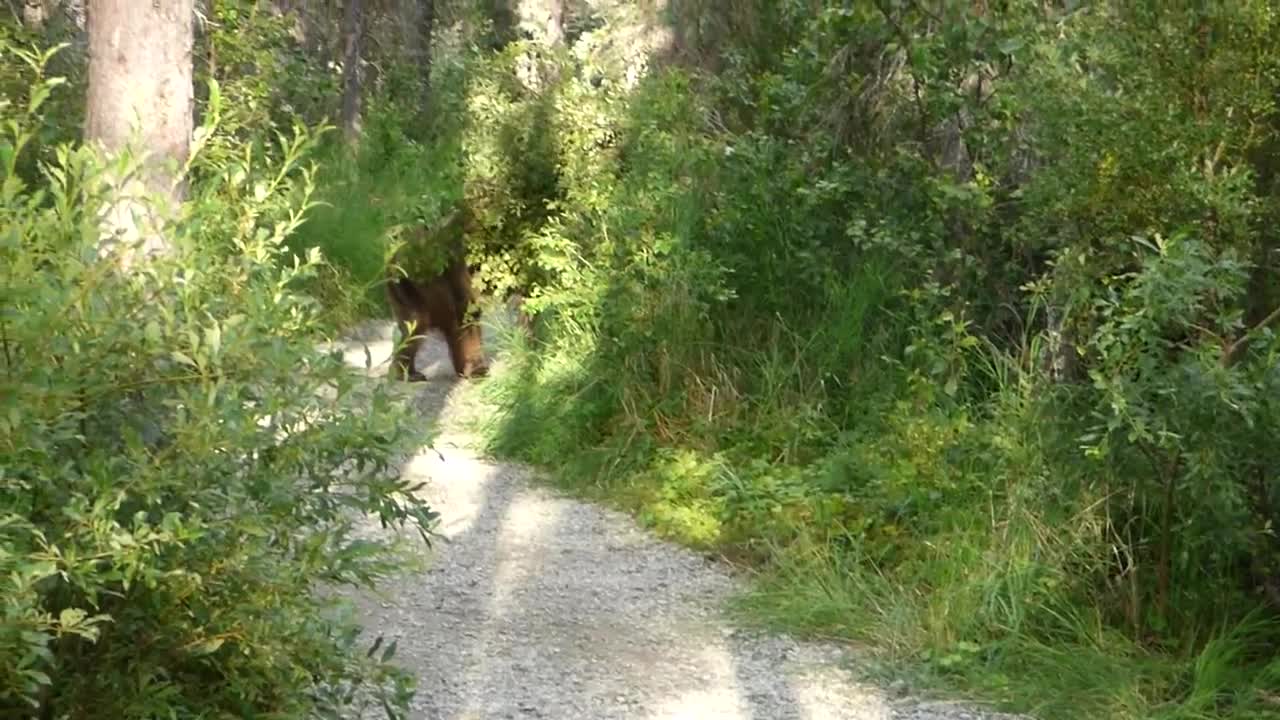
1232, 353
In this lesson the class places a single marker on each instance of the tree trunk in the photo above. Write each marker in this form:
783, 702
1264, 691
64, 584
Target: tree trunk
426, 29
293, 11
308, 31
212, 14
541, 20
34, 14
140, 70
553, 22
418, 18
353, 40
1060, 356
504, 16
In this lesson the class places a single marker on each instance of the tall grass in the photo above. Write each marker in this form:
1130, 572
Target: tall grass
758, 359
960, 549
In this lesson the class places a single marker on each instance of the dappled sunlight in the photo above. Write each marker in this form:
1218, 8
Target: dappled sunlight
368, 349
896, 336
466, 501
636, 35
862, 317
522, 550
815, 699
540, 604
519, 554
368, 354
740, 684
722, 699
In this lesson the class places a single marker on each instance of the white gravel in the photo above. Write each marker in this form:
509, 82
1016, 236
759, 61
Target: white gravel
537, 605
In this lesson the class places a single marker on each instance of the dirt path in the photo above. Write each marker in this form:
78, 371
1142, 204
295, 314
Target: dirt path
541, 606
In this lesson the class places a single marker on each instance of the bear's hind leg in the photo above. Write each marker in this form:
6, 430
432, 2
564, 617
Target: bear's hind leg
403, 364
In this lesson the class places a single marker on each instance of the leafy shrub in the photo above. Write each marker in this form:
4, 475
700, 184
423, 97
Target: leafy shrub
181, 471
816, 307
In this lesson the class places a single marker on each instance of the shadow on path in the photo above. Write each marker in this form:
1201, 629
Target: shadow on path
540, 606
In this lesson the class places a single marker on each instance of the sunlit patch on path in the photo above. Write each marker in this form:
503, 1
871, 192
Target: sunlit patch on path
536, 605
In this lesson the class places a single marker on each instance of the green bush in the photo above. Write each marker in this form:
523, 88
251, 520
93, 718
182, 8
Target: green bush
810, 308
182, 474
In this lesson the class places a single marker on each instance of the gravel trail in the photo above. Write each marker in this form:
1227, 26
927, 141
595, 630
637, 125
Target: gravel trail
536, 605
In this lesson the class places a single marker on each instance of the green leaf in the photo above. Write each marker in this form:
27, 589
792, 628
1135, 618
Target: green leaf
1011, 45
70, 618
40, 94
390, 652
213, 338
206, 647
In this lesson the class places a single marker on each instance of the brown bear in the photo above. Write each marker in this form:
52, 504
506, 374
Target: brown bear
423, 297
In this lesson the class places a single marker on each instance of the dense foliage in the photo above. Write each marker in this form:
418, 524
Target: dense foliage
955, 319
183, 476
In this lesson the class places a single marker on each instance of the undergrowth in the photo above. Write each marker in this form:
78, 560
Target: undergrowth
977, 410
958, 552
181, 471
952, 320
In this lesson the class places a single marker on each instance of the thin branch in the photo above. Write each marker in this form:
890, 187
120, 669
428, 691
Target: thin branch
8, 356
907, 44
1233, 351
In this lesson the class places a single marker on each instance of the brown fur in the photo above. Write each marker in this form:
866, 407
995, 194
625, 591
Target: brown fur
445, 303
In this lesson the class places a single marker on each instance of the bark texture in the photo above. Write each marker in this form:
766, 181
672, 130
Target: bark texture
353, 50
34, 14
140, 96
418, 18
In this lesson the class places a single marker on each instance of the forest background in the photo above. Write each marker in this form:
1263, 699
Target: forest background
952, 319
